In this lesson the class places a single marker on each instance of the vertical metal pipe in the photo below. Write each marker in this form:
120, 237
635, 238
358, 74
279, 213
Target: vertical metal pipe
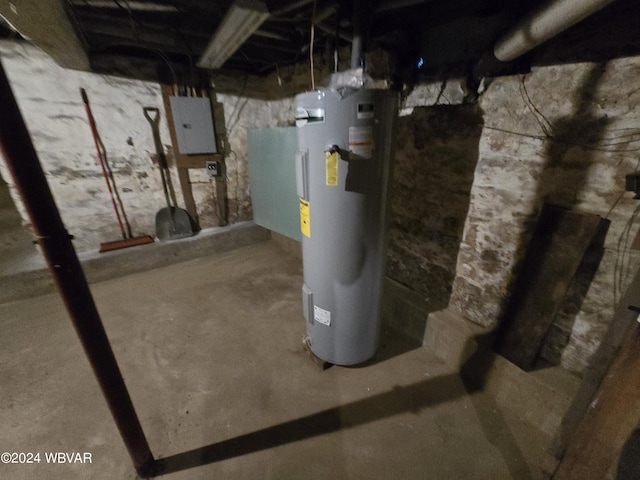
360, 24
63, 262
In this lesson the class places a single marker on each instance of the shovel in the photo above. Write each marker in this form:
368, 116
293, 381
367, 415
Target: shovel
171, 222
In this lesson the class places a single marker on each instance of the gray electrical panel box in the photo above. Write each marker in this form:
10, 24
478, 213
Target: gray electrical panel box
194, 125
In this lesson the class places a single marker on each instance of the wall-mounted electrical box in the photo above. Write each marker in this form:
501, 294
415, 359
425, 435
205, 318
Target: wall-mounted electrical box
214, 168
632, 184
194, 125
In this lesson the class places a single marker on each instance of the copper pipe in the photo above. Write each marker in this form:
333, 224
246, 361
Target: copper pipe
50, 233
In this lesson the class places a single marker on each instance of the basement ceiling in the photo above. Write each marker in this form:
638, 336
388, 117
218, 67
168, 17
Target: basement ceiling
431, 35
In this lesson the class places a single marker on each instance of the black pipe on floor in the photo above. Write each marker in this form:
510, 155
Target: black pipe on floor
50, 233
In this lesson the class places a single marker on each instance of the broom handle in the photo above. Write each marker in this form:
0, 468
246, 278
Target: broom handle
103, 163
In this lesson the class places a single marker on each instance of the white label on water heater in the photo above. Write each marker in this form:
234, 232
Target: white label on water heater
365, 110
322, 316
361, 141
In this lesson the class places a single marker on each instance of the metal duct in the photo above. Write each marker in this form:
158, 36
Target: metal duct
543, 24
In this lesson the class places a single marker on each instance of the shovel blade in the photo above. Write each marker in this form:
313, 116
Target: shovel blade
173, 223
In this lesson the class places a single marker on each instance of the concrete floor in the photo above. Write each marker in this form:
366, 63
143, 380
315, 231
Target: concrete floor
211, 350
17, 252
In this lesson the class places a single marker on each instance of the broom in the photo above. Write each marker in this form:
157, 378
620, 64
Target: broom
128, 240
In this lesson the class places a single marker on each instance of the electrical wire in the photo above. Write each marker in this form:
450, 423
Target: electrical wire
585, 142
132, 23
237, 109
226, 151
544, 123
621, 255
441, 94
166, 60
566, 142
622, 265
253, 64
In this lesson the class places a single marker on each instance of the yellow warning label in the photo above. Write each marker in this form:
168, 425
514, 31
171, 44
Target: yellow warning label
332, 168
305, 224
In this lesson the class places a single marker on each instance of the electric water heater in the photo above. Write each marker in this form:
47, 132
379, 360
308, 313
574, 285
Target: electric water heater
345, 150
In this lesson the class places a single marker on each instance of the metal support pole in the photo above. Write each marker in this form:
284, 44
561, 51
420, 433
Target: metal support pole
25, 168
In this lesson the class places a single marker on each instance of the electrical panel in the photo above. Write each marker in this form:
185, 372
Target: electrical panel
194, 125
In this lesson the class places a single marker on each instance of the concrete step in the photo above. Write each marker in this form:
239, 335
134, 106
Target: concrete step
33, 278
539, 399
542, 395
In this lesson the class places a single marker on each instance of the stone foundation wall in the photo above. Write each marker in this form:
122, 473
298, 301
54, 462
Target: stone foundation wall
240, 115
469, 179
566, 135
436, 155
50, 101
52, 107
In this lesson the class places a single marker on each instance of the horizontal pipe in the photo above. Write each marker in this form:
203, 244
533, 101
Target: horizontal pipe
26, 171
289, 8
130, 5
388, 5
273, 35
543, 24
325, 13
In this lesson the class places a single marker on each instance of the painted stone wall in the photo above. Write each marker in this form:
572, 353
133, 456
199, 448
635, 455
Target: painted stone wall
566, 135
469, 179
240, 114
50, 101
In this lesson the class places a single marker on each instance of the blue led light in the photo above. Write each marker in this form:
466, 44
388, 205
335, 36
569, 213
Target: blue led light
420, 62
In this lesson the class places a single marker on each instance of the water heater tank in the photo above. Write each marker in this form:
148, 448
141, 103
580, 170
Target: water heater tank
345, 141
